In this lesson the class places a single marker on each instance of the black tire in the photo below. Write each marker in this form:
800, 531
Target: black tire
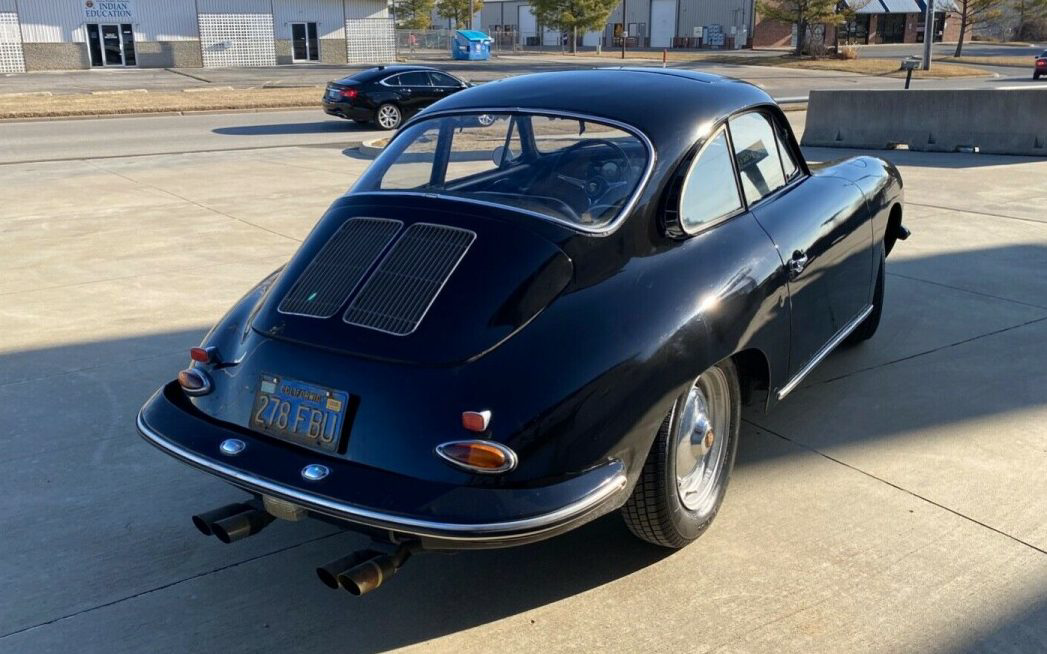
1036, 75
655, 512
388, 116
868, 328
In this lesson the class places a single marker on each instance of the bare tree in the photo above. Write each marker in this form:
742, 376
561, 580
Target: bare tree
974, 13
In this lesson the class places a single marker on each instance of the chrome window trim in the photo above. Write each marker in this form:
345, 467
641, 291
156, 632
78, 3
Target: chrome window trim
604, 230
386, 79
825, 351
507, 530
722, 129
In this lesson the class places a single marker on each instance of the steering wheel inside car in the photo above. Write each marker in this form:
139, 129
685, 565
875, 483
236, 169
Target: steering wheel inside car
580, 193
595, 185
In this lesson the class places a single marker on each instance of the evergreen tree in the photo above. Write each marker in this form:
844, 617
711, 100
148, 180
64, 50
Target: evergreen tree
803, 14
570, 16
413, 14
458, 11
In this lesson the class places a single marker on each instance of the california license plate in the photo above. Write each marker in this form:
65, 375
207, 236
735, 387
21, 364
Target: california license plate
299, 412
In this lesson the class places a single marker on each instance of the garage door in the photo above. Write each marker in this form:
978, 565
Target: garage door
663, 23
591, 39
237, 40
550, 36
528, 25
11, 60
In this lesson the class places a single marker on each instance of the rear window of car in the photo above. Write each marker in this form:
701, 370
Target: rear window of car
572, 170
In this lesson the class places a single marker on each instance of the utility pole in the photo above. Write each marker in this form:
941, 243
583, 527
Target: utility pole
625, 29
471, 14
928, 34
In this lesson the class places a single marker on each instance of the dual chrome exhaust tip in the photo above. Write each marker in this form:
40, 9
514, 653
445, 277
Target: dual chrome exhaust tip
233, 522
358, 573
364, 570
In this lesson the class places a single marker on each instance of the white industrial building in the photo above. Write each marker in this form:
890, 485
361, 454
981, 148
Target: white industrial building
67, 34
648, 24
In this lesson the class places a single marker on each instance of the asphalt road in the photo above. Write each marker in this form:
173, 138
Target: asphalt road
168, 134
893, 503
165, 134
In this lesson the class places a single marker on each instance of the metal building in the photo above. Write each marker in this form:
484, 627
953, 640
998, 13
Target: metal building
647, 24
66, 34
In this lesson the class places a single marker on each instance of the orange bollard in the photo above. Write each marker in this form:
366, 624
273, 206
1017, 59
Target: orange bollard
665, 55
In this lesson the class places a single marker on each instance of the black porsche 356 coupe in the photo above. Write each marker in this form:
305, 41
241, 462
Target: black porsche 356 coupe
510, 327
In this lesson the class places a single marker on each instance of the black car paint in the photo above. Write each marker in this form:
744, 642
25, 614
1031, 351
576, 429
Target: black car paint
372, 93
619, 323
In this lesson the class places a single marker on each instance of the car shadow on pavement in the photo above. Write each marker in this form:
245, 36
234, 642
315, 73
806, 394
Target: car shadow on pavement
267, 581
334, 125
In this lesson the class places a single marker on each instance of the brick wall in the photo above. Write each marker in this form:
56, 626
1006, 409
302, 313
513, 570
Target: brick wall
771, 33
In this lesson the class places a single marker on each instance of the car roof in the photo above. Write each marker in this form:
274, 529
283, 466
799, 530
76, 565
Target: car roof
660, 102
380, 72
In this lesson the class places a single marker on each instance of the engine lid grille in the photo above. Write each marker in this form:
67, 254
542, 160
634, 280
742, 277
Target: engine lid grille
397, 296
339, 267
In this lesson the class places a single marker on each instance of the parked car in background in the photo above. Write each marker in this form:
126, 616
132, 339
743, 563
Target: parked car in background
388, 95
1040, 67
546, 300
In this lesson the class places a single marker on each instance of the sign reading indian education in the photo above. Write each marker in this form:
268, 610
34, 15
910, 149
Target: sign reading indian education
100, 11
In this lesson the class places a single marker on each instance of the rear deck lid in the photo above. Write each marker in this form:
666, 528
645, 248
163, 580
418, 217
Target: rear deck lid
414, 279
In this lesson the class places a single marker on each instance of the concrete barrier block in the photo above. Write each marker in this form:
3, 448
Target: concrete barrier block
994, 121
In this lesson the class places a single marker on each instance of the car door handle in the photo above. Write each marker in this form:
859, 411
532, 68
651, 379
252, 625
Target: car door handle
797, 263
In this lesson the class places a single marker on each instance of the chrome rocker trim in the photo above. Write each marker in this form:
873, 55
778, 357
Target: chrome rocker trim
492, 531
825, 351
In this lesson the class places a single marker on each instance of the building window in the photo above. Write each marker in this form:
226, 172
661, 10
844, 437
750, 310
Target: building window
304, 44
111, 45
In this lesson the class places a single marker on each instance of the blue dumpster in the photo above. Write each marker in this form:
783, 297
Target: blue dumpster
471, 45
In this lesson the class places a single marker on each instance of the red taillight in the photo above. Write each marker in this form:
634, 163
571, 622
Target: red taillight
476, 420
204, 354
349, 94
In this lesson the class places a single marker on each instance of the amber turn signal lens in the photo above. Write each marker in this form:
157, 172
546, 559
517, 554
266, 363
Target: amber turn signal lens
478, 456
194, 382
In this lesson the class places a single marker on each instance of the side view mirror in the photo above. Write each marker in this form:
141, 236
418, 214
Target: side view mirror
498, 155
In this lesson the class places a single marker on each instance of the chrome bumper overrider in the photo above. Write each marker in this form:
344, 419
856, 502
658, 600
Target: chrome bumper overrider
492, 531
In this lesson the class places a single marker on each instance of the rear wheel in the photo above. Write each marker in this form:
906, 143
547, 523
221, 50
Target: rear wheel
1036, 75
685, 477
868, 327
388, 116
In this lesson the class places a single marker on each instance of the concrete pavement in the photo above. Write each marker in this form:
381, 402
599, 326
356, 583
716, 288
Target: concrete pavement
895, 502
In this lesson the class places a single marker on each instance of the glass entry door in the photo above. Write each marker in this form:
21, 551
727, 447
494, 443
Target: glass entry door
304, 44
111, 45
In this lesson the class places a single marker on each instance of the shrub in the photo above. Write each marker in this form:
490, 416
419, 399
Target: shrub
847, 52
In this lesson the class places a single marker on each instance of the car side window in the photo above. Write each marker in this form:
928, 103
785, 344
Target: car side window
392, 81
419, 78
756, 154
440, 79
709, 191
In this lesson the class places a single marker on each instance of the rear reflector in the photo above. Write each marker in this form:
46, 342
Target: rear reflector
204, 354
486, 457
194, 381
476, 420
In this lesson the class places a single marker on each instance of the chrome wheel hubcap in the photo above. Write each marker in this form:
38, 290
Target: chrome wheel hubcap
700, 438
388, 116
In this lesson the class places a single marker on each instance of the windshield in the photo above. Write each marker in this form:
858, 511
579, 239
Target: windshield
573, 170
